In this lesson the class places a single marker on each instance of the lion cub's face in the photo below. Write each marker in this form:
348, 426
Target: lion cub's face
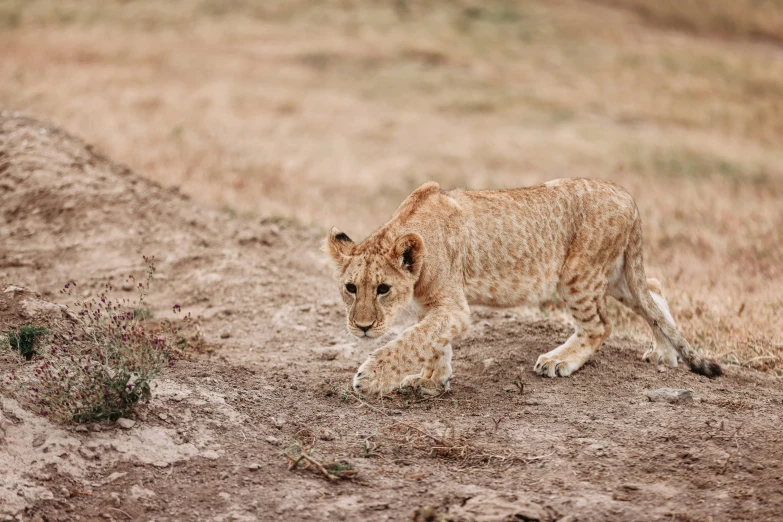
376, 280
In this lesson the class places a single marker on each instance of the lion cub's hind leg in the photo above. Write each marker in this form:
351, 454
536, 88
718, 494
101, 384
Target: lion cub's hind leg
584, 297
662, 351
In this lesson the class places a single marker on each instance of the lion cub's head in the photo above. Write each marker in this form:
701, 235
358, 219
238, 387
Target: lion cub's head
376, 278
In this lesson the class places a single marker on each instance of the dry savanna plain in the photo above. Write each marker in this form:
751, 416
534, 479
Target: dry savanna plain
226, 138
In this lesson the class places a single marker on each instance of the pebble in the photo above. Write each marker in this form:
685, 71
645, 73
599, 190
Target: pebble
225, 335
210, 454
326, 434
125, 424
137, 492
254, 466
65, 492
274, 441
114, 476
87, 454
670, 395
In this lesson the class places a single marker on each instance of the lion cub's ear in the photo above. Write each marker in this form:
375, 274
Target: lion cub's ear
407, 253
339, 246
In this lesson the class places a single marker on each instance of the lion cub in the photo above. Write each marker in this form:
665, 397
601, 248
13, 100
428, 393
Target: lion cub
450, 249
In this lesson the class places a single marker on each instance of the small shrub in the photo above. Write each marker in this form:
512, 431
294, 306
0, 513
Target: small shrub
27, 339
103, 364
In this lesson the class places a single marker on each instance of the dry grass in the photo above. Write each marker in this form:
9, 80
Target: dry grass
448, 444
741, 19
330, 113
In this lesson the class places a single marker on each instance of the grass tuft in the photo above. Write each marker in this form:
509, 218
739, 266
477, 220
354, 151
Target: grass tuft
26, 339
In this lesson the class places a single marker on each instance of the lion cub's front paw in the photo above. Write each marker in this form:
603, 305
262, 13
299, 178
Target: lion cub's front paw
376, 377
422, 386
553, 365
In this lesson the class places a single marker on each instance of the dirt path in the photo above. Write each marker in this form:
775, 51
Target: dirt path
211, 443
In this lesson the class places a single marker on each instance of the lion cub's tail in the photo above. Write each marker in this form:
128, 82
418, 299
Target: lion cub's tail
660, 320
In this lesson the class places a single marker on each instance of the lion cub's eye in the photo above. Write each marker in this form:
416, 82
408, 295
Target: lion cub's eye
383, 289
351, 288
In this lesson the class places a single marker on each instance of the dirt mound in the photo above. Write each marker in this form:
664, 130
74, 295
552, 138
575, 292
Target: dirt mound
64, 206
212, 443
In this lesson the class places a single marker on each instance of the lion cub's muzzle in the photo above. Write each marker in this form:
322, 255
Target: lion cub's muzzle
369, 331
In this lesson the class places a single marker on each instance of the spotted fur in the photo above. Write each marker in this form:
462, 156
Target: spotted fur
447, 250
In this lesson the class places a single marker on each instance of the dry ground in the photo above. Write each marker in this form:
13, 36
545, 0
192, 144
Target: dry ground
211, 444
294, 116
329, 113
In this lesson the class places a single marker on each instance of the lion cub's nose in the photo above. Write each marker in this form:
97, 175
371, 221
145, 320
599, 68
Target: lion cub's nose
363, 327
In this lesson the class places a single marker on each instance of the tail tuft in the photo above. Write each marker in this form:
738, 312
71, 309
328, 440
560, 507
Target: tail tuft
707, 367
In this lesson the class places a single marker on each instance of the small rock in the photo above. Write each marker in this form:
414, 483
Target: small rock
210, 454
162, 416
326, 434
277, 422
137, 492
125, 424
81, 428
670, 395
39, 440
225, 335
274, 441
115, 499
127, 286
87, 454
254, 466
328, 354
225, 496
114, 476
65, 492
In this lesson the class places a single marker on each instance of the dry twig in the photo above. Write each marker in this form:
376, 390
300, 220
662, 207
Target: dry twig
333, 472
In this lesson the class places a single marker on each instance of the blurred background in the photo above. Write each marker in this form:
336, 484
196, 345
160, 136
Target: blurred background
329, 113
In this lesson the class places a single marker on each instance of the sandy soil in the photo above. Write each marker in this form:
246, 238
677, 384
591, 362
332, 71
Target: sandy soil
211, 443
